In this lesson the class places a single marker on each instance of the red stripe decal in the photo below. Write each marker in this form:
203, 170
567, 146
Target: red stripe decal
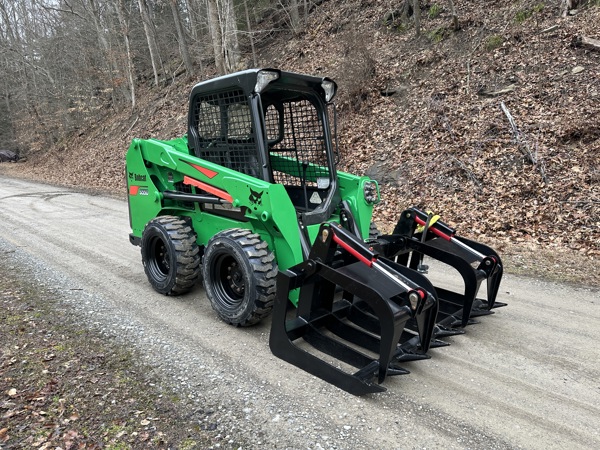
208, 188
204, 171
353, 252
133, 190
433, 229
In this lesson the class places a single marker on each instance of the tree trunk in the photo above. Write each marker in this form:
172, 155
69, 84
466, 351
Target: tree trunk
150, 38
130, 67
294, 14
196, 30
183, 46
568, 5
231, 44
7, 24
455, 24
191, 10
95, 16
417, 13
216, 36
102, 30
254, 60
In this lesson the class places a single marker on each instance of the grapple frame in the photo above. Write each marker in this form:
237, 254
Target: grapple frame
352, 303
475, 263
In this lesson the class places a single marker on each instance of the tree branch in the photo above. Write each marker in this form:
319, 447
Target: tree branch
524, 145
69, 11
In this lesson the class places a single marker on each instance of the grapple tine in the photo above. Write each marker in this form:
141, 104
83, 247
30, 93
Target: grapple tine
284, 332
473, 261
452, 303
395, 369
410, 342
441, 331
493, 271
476, 312
436, 343
373, 295
408, 356
493, 285
426, 317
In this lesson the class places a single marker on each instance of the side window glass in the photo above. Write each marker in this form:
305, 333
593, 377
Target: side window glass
239, 122
208, 119
273, 119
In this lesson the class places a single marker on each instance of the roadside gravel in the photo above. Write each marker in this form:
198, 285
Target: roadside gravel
498, 386
68, 379
222, 416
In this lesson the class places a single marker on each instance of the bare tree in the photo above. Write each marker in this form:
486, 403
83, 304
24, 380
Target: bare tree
568, 5
94, 14
190, 7
151, 39
455, 24
229, 32
121, 14
294, 14
254, 60
183, 46
215, 32
417, 14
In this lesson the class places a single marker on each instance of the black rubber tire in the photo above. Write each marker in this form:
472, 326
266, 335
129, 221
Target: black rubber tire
239, 273
170, 255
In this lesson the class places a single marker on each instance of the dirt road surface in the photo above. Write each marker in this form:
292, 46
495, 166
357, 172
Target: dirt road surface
526, 377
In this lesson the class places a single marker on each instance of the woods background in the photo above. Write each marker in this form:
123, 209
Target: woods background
63, 59
484, 111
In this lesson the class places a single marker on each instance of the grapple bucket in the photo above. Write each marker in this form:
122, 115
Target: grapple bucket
417, 235
353, 307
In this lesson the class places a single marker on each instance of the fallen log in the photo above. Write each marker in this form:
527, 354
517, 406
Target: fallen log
586, 42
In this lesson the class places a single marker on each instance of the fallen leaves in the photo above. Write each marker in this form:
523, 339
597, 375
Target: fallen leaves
47, 366
434, 116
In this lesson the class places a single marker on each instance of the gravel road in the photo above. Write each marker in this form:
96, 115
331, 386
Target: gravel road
526, 377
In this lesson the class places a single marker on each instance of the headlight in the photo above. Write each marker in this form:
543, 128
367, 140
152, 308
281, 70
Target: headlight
371, 191
329, 87
263, 78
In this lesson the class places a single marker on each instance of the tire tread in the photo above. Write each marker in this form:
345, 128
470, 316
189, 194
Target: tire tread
187, 251
264, 267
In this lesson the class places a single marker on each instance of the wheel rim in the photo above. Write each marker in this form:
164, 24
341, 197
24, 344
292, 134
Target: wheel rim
230, 283
158, 259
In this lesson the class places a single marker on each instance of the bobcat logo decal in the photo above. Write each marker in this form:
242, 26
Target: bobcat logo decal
136, 177
255, 198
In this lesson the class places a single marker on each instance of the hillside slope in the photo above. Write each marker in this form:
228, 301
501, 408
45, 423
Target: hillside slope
423, 115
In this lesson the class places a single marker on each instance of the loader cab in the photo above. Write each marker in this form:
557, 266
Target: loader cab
271, 125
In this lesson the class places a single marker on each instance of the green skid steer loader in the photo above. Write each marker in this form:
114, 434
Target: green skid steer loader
250, 202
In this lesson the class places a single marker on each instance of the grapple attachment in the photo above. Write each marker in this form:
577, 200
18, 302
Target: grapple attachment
353, 307
419, 234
